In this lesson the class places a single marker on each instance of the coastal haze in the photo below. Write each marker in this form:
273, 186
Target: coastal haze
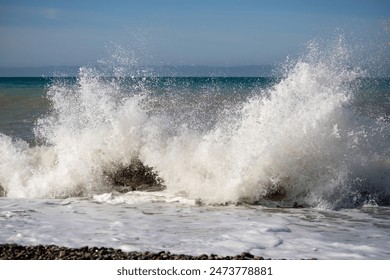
234, 127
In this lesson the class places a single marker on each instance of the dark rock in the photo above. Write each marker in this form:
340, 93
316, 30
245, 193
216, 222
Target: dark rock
2, 191
276, 193
135, 177
297, 205
247, 255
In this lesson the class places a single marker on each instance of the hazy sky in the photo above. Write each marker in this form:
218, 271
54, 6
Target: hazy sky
186, 32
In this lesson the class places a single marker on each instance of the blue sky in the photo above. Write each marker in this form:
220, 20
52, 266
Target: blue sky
198, 32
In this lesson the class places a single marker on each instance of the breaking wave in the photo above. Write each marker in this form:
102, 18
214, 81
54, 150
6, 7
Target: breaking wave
300, 141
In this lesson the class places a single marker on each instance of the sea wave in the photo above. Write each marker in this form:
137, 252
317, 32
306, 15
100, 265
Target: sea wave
299, 142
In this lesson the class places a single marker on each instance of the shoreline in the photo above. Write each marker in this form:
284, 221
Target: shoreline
54, 252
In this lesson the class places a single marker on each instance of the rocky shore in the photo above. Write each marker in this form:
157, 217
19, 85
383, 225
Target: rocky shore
53, 252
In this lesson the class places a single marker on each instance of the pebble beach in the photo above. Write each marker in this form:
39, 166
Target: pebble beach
53, 252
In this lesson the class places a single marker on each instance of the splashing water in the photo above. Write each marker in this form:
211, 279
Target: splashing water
299, 141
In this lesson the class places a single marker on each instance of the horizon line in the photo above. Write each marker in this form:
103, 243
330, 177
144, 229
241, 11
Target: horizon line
143, 70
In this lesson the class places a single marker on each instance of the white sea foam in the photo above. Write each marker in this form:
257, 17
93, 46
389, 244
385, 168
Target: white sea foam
298, 141
185, 229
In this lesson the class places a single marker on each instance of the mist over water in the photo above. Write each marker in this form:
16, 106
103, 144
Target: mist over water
300, 140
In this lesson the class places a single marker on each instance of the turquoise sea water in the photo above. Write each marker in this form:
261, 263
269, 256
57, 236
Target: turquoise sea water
23, 99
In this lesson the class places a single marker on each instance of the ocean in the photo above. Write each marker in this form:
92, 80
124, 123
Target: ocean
292, 166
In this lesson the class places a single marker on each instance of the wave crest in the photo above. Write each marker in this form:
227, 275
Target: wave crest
297, 142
